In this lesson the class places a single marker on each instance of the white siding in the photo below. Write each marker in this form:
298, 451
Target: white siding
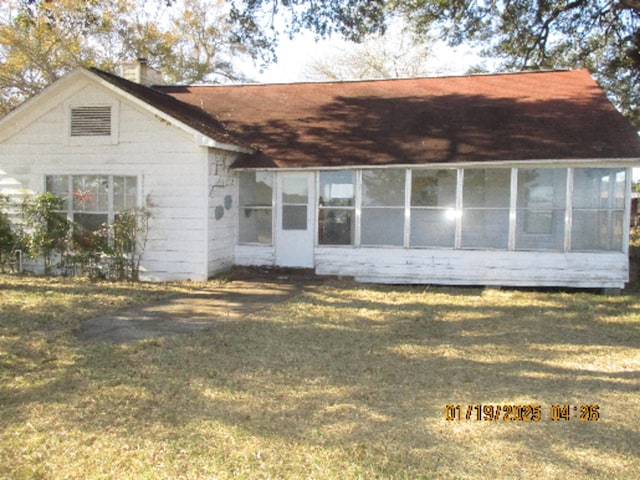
472, 267
221, 194
171, 169
255, 255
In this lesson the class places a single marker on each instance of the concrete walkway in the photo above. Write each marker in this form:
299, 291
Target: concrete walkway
247, 291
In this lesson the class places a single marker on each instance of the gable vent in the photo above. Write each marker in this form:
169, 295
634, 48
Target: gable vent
91, 121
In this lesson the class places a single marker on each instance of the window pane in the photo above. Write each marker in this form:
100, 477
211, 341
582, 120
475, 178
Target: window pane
383, 188
487, 188
337, 188
255, 225
295, 190
59, 186
85, 225
125, 193
598, 188
90, 193
433, 188
483, 228
335, 226
432, 227
294, 217
256, 188
382, 226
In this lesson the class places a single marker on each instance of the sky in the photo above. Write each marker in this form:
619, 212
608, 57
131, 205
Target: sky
295, 55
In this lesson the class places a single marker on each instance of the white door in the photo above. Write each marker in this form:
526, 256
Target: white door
294, 219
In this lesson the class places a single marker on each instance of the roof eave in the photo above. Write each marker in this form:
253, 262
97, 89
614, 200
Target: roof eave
200, 138
205, 141
630, 162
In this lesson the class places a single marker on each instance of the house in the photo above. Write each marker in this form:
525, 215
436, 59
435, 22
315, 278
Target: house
513, 179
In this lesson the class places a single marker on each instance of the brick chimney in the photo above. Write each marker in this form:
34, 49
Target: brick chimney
140, 72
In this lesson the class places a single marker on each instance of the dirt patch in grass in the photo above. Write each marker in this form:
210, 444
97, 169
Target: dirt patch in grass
234, 295
340, 381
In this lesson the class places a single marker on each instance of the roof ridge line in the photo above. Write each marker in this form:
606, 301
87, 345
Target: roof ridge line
368, 80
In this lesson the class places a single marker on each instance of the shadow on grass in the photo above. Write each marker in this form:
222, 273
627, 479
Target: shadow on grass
368, 372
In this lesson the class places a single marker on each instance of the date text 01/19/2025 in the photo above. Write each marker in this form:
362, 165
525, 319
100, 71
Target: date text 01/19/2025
522, 413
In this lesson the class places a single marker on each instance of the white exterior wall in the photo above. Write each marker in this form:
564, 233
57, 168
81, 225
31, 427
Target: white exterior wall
170, 166
475, 267
255, 255
222, 198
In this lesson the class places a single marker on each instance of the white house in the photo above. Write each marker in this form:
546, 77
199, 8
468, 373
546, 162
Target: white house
514, 179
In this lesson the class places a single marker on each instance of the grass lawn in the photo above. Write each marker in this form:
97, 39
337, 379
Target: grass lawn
346, 381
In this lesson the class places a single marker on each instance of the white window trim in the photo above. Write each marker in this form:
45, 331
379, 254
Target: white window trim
111, 212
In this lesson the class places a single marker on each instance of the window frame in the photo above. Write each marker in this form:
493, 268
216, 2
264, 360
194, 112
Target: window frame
255, 207
452, 210
557, 211
354, 208
506, 209
70, 211
562, 211
610, 210
378, 206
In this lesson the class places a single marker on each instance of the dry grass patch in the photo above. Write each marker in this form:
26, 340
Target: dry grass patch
345, 381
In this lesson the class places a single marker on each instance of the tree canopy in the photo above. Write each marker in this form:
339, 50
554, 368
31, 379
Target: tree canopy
601, 35
41, 40
201, 39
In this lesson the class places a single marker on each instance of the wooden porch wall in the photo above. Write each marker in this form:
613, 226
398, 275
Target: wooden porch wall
473, 267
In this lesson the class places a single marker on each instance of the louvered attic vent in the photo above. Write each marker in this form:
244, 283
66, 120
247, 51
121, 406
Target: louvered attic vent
91, 121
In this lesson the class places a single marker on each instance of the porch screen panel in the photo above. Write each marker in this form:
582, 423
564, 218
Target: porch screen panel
598, 209
485, 214
255, 223
336, 208
382, 217
433, 203
541, 207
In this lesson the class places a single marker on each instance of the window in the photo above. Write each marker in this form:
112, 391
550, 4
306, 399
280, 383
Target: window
382, 217
598, 209
433, 208
256, 207
336, 203
92, 201
486, 203
541, 207
295, 196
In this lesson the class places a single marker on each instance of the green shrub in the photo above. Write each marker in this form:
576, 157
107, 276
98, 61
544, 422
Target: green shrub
8, 239
47, 228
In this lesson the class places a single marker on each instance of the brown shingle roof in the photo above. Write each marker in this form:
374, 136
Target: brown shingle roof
525, 116
185, 113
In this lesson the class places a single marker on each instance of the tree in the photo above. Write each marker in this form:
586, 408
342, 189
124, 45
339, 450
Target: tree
41, 40
254, 21
602, 35
396, 53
